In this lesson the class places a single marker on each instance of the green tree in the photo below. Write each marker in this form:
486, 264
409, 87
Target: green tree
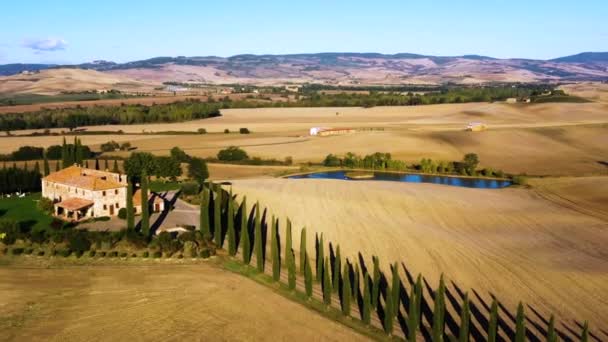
375, 282
78, 155
585, 332
130, 210
439, 312
551, 335
257, 240
179, 155
145, 216
58, 166
493, 325
389, 308
37, 168
346, 291
337, 270
414, 310
464, 319
302, 250
274, 252
204, 213
47, 168
231, 233
326, 284
291, 271
288, 243
245, 243
396, 288
367, 300
320, 259
308, 276
217, 216
96, 164
232, 153
197, 170
470, 162
520, 324
356, 281
137, 163
115, 169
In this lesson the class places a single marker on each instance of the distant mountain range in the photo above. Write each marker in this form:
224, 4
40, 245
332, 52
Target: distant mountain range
346, 69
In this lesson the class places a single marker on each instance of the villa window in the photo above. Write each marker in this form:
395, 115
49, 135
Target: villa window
105, 207
116, 192
103, 193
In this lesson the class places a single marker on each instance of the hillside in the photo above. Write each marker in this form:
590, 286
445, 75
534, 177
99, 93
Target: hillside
349, 69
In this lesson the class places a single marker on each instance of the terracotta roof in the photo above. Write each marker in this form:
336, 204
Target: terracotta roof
73, 176
137, 198
74, 203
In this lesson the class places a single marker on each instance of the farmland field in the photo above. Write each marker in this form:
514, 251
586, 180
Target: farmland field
150, 301
513, 243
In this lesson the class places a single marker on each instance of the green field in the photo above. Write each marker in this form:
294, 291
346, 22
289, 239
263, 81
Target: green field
24, 210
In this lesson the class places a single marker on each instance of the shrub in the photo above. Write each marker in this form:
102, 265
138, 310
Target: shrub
110, 146
122, 213
134, 255
28, 251
180, 256
331, 160
244, 130
102, 254
9, 229
78, 253
17, 251
145, 254
92, 254
65, 253
202, 131
205, 253
157, 254
54, 252
124, 254
79, 242
46, 205
189, 188
232, 153
520, 180
288, 160
40, 253
226, 131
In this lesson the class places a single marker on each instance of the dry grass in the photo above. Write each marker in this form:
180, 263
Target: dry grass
154, 302
591, 90
510, 242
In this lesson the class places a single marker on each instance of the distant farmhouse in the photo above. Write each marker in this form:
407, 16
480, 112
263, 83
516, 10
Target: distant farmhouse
324, 131
79, 193
476, 127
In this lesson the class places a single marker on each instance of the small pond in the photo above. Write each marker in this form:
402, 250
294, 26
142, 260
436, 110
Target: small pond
478, 183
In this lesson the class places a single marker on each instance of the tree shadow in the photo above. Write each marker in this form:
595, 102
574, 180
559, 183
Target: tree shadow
3, 212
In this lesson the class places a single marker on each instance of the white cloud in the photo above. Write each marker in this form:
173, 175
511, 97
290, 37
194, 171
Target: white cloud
48, 44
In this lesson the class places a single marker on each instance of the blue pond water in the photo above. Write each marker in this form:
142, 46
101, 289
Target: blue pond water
477, 183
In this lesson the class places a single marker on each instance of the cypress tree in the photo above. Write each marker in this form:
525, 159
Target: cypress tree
115, 168
47, 168
326, 284
356, 281
25, 167
78, 157
257, 240
367, 300
395, 290
145, 216
105, 165
307, 276
245, 243
86, 164
64, 153
291, 271
414, 310
439, 312
320, 260
464, 319
346, 291
204, 214
493, 325
520, 324
337, 270
217, 216
130, 211
302, 250
288, 243
57, 166
37, 167
585, 332
389, 308
551, 335
274, 251
96, 164
231, 233
375, 282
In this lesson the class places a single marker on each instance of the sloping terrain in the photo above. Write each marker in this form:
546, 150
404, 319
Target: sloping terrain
151, 303
512, 242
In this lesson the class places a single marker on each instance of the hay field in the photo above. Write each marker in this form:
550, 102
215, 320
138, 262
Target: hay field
155, 302
510, 242
593, 91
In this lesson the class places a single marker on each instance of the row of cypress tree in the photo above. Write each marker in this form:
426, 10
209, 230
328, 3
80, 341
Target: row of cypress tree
389, 300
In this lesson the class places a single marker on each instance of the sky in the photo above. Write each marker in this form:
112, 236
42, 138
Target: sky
67, 32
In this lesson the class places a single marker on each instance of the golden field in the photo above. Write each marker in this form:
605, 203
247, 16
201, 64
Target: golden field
513, 243
150, 301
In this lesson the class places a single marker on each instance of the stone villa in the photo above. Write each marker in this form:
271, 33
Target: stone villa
79, 193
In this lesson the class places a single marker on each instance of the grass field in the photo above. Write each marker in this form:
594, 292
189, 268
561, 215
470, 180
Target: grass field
150, 301
512, 242
24, 210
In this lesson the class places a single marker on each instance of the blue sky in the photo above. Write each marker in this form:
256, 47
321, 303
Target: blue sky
78, 31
